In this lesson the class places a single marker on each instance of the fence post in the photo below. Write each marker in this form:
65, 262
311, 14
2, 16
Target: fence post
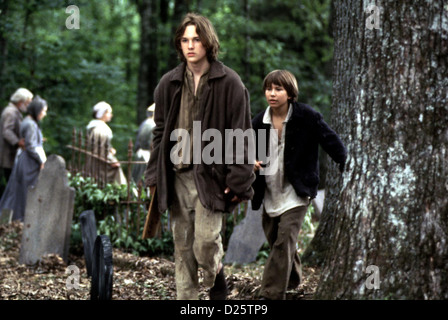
80, 153
129, 179
71, 167
86, 155
92, 152
105, 163
139, 203
99, 160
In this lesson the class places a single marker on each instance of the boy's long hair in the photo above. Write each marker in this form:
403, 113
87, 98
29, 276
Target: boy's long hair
205, 31
285, 79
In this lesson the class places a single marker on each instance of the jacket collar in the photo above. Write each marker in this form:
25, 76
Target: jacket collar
297, 111
216, 71
14, 107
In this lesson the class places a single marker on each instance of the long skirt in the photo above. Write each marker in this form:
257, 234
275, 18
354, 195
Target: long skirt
24, 175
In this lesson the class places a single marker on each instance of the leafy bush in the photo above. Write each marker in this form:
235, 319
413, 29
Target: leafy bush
124, 230
111, 221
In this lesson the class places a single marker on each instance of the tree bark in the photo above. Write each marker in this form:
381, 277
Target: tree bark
389, 211
4, 6
147, 76
181, 8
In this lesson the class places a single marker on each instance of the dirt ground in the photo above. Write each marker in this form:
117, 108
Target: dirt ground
134, 278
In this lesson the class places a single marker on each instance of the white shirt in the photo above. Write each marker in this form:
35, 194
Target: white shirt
280, 195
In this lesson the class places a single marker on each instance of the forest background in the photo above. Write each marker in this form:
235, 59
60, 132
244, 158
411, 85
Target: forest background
123, 47
384, 86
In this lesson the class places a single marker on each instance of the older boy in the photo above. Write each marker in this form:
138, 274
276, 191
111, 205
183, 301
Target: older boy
200, 89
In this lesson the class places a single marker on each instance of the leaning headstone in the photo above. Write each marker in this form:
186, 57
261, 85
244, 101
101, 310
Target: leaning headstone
89, 234
102, 269
6, 216
48, 214
246, 239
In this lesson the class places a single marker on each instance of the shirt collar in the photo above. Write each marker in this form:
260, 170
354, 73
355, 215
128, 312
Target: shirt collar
267, 119
189, 73
216, 70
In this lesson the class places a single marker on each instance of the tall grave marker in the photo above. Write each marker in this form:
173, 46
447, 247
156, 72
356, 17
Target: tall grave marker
246, 239
48, 214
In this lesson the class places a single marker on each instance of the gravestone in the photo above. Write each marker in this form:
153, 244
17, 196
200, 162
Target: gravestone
102, 269
6, 216
89, 234
246, 239
48, 214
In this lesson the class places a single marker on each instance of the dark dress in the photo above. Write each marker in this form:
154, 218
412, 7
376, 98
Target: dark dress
25, 170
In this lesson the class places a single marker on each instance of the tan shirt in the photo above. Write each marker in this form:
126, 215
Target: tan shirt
280, 195
189, 112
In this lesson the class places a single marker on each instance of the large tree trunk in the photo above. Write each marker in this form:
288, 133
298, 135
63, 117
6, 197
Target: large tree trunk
147, 76
387, 236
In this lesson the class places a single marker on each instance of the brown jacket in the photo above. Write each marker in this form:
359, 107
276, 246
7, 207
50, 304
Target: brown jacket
9, 135
224, 105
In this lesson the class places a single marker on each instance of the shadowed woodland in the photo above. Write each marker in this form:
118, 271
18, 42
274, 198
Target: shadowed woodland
376, 70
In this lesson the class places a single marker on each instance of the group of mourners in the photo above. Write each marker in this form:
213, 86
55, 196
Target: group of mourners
22, 153
197, 195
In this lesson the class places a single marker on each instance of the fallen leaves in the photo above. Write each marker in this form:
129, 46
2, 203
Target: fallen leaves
134, 278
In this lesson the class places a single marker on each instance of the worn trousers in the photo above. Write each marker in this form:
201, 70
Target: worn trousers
283, 268
197, 238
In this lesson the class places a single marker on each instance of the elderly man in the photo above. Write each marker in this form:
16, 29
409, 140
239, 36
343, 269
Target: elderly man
10, 139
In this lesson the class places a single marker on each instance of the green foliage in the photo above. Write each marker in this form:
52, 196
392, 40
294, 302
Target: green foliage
74, 69
112, 219
269, 35
307, 230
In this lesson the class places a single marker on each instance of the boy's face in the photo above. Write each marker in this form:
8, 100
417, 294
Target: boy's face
276, 96
192, 48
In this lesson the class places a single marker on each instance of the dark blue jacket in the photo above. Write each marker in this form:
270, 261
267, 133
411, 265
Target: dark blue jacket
305, 131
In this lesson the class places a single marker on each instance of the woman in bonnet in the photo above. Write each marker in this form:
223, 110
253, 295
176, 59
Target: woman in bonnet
100, 133
28, 162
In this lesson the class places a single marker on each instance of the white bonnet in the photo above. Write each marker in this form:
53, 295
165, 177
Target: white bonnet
100, 108
21, 94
